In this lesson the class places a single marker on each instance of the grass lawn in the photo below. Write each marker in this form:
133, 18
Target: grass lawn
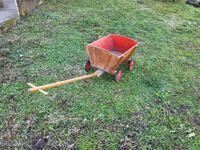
157, 106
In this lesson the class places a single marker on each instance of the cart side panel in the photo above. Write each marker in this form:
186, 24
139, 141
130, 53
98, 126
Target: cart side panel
103, 59
104, 43
122, 44
127, 55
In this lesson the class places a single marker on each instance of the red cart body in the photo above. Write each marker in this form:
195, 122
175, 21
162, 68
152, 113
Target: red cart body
110, 51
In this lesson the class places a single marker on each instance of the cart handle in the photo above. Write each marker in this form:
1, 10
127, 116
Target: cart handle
61, 83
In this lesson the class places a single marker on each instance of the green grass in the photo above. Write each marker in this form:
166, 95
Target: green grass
157, 106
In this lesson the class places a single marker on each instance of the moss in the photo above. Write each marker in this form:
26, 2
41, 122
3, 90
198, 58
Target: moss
8, 24
25, 6
1, 4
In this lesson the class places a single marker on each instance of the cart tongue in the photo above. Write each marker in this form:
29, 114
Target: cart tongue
41, 89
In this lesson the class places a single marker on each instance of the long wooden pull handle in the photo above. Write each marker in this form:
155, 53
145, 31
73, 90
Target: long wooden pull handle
33, 86
60, 83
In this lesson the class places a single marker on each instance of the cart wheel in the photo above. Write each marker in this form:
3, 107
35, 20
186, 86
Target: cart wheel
118, 75
131, 64
88, 66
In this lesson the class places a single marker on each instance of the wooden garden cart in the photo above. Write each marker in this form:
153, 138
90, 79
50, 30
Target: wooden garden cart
104, 55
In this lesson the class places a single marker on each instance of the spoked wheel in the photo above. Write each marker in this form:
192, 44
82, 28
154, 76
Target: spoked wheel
118, 75
88, 66
131, 64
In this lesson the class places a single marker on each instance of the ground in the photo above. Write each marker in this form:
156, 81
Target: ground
156, 106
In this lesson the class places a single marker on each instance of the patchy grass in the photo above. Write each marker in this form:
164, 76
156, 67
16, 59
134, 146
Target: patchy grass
154, 107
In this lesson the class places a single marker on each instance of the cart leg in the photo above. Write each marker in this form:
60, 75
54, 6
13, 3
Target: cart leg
118, 75
88, 66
